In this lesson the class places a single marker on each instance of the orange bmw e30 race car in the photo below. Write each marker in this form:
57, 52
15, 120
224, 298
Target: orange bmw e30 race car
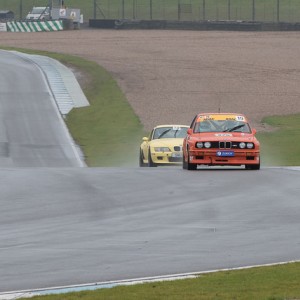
221, 139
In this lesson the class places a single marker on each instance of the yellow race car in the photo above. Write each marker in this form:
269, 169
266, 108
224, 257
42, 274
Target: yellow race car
163, 146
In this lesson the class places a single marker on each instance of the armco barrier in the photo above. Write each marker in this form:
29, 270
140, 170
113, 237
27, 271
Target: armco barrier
194, 25
35, 26
99, 23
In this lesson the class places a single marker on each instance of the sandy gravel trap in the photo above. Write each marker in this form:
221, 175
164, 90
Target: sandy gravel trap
168, 76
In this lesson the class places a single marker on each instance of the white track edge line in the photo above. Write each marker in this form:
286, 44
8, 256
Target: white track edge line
109, 284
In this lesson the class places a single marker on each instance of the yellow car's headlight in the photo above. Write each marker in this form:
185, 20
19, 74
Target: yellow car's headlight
162, 149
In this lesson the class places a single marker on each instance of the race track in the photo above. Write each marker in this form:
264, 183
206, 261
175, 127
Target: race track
64, 225
32, 132
81, 225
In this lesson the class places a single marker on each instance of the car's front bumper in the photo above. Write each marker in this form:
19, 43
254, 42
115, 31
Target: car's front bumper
167, 157
213, 157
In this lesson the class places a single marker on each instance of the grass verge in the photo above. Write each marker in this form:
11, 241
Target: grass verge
282, 146
262, 283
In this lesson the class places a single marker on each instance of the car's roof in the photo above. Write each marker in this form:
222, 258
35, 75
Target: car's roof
218, 113
171, 125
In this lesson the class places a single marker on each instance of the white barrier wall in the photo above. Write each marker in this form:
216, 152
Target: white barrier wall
3, 27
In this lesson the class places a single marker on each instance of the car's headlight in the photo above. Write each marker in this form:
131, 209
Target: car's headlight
250, 145
242, 145
162, 149
207, 144
199, 145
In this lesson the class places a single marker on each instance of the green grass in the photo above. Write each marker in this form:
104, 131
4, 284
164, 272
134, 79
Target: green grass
265, 10
108, 131
279, 282
282, 146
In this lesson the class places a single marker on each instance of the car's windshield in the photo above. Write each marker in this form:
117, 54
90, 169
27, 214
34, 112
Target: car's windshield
169, 132
222, 126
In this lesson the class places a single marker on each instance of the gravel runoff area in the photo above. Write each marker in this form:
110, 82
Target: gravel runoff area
168, 75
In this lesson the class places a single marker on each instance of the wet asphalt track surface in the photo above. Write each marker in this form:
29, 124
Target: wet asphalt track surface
80, 225
64, 225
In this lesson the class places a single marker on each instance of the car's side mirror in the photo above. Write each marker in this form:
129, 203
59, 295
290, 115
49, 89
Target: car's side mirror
145, 139
254, 131
189, 131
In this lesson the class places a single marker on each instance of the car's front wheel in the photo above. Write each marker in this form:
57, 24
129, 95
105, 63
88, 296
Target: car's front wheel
189, 165
253, 167
150, 161
141, 159
184, 163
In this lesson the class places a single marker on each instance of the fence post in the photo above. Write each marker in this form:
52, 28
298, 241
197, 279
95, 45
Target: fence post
278, 11
253, 10
123, 9
229, 4
21, 10
203, 8
150, 9
95, 8
134, 10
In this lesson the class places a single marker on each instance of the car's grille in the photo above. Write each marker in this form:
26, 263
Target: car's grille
175, 159
225, 145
